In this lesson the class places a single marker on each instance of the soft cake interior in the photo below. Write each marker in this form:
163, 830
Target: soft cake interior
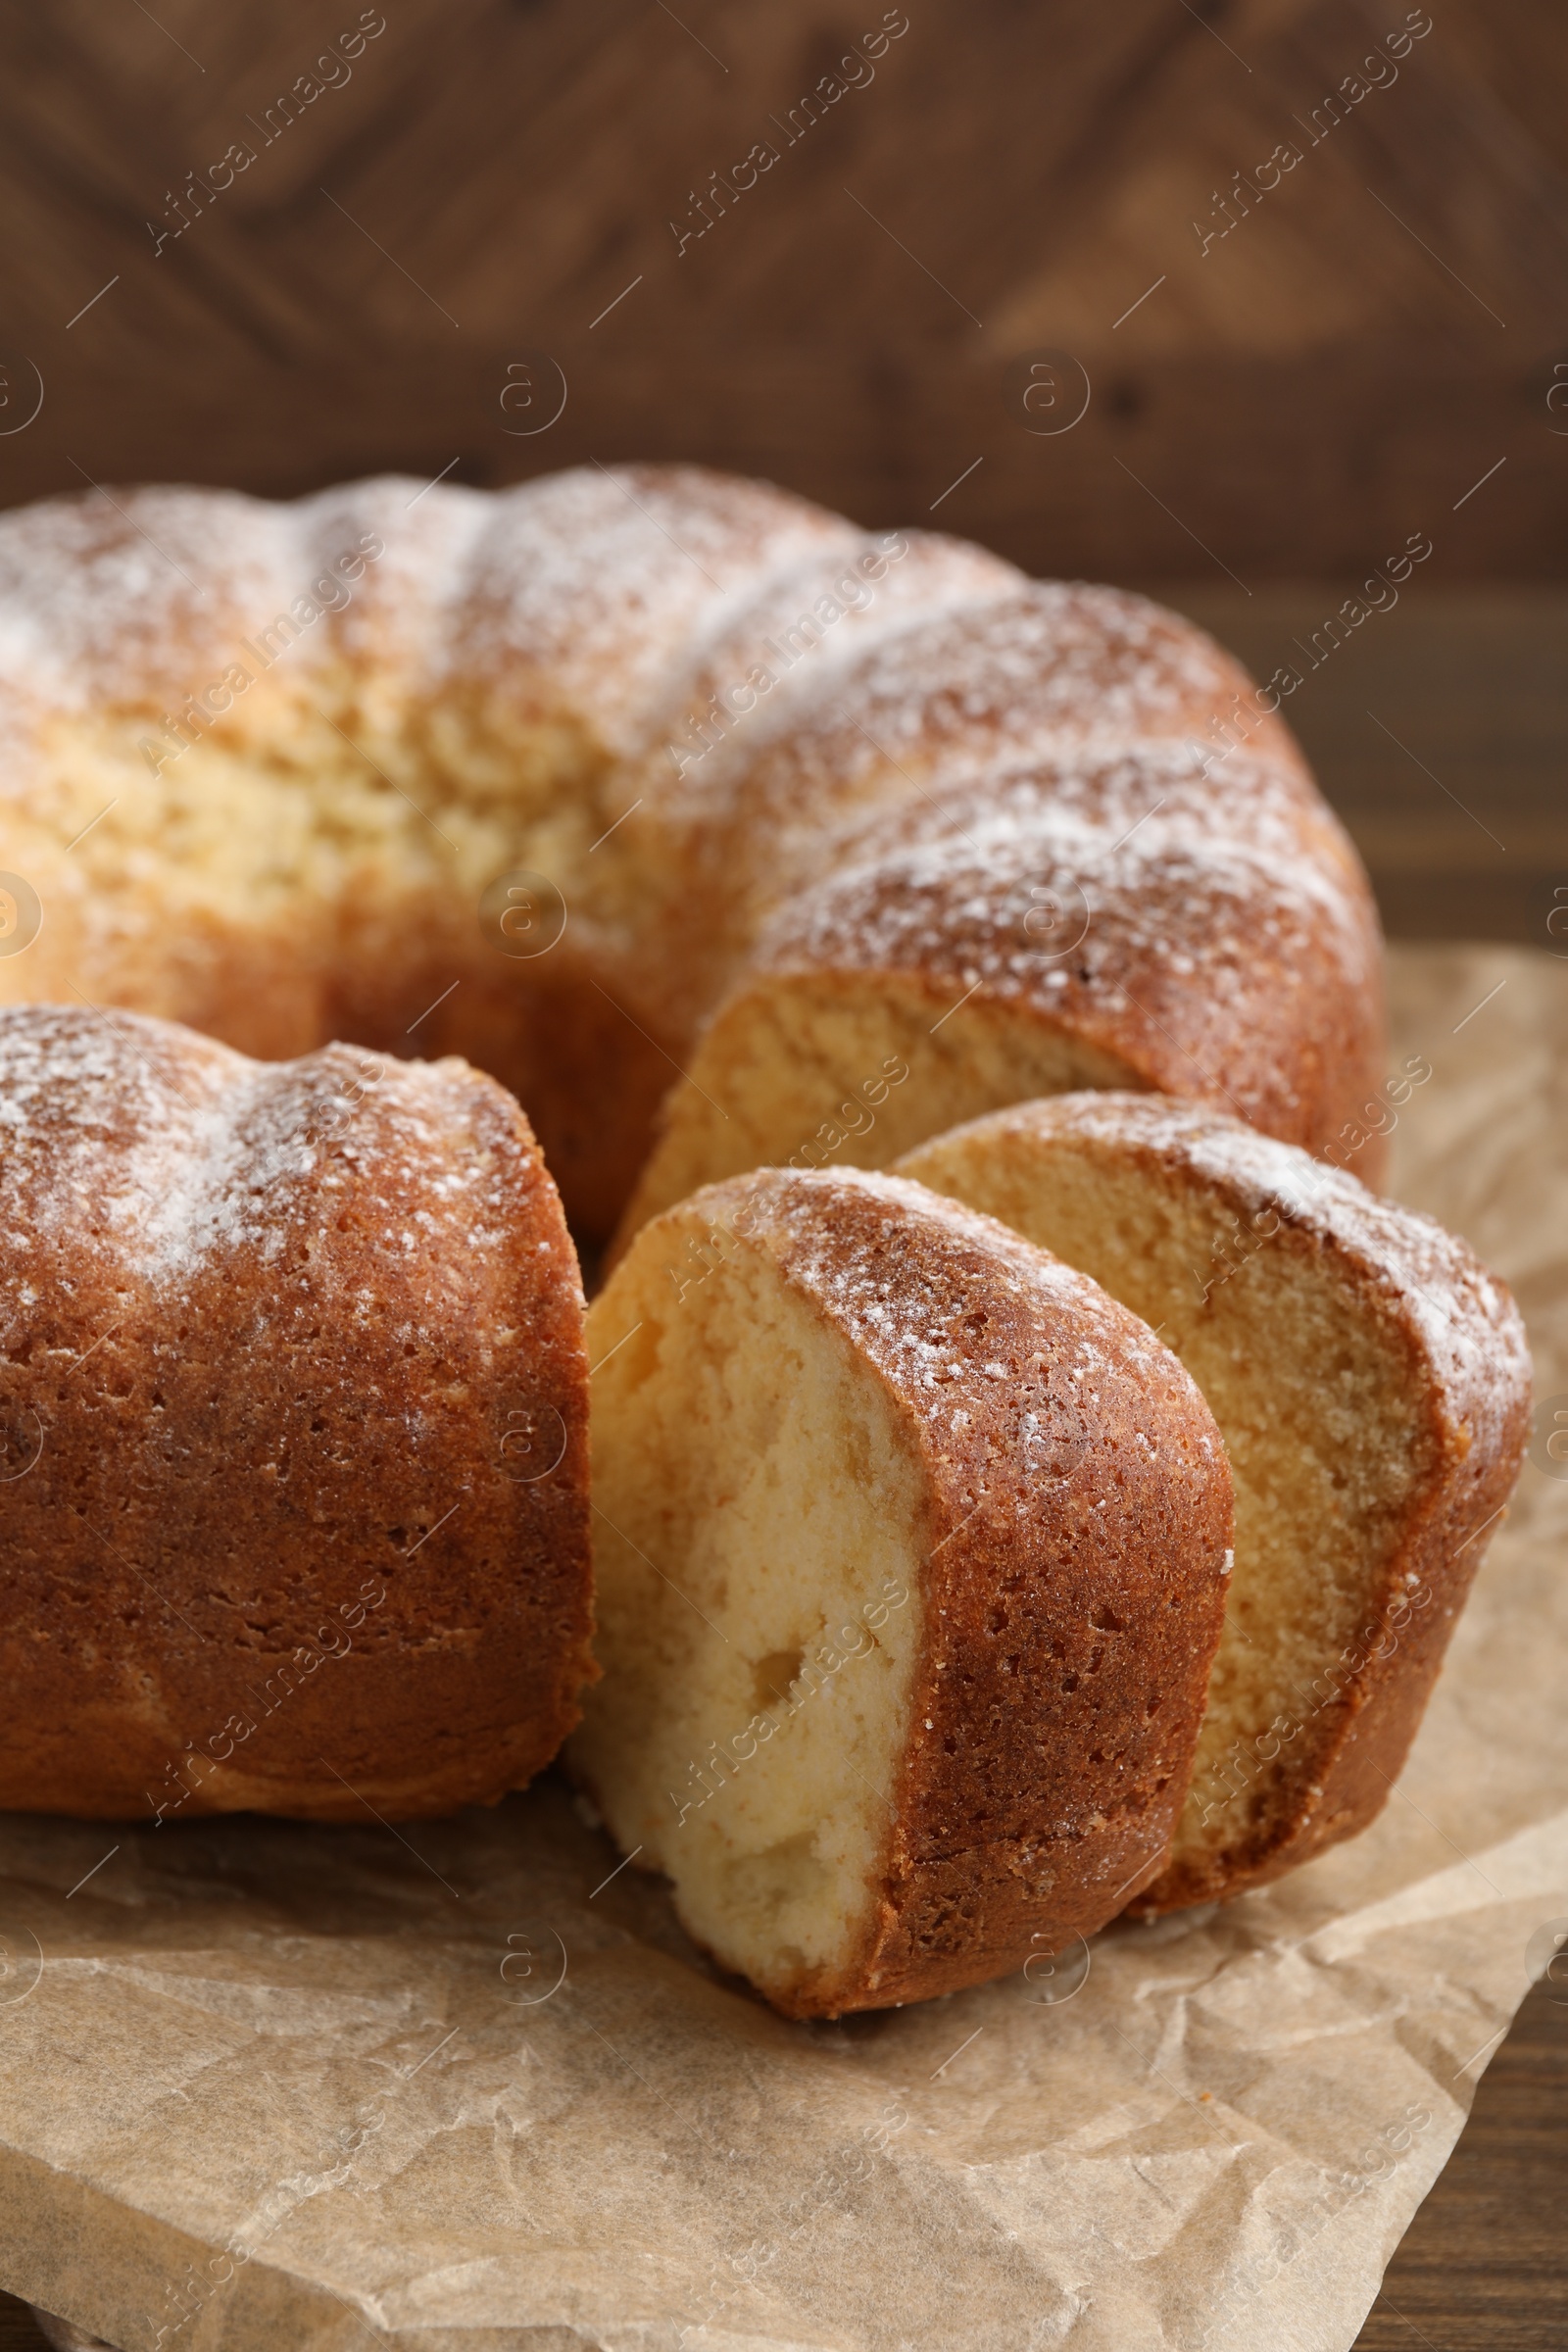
1314, 1399
338, 862
849, 1070
757, 1540
298, 821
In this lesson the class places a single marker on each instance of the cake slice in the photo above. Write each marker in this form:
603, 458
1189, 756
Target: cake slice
1371, 1380
910, 1549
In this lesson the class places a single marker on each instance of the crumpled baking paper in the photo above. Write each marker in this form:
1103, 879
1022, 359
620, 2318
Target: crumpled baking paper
465, 2087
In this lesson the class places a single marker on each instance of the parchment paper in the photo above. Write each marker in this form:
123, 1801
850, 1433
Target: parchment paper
466, 2085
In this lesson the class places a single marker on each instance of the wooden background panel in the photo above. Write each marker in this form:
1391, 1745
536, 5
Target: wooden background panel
1336, 368
1438, 726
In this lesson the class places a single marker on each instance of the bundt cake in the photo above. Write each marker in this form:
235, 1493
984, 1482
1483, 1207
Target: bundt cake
728, 837
293, 1403
644, 776
910, 1549
1372, 1384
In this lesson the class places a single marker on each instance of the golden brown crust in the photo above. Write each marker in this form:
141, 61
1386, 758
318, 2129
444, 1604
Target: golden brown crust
1357, 1720
1223, 977
1467, 1372
959, 674
1469, 1365
1073, 1582
680, 696
293, 1368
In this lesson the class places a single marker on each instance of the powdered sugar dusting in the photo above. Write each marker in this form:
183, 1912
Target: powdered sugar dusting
1465, 1317
592, 587
155, 1155
940, 743
588, 585
916, 1282
1199, 956
1017, 721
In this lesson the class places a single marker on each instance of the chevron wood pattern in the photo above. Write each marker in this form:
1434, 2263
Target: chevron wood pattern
279, 241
